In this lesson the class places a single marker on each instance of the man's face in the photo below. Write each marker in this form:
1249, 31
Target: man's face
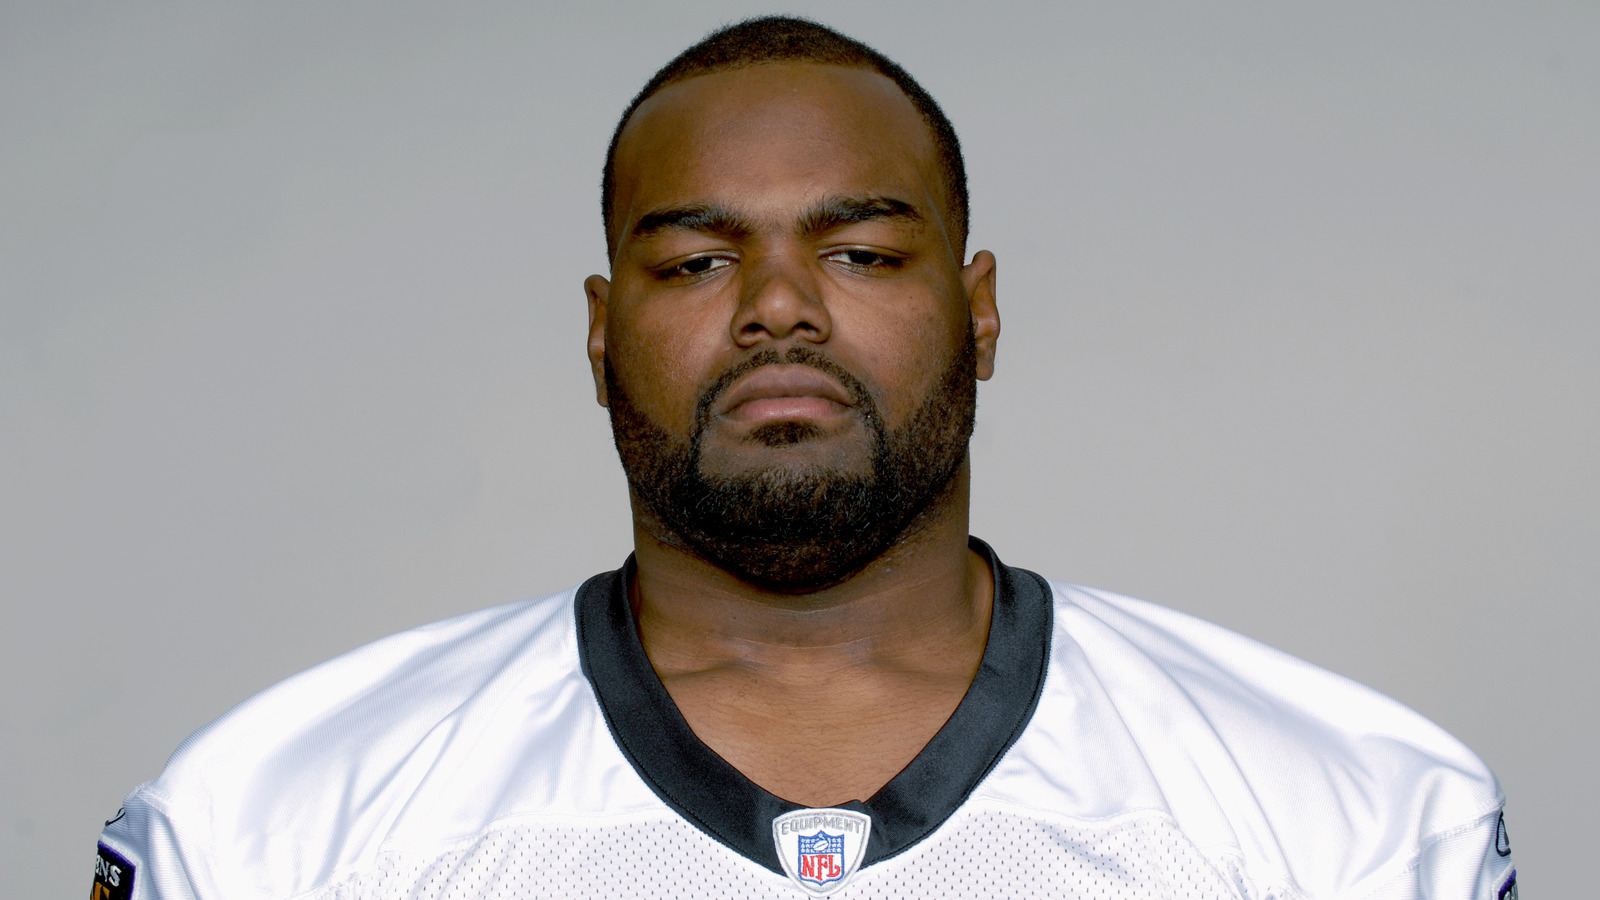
789, 340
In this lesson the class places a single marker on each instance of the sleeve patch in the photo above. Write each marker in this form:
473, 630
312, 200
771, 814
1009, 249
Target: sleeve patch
113, 876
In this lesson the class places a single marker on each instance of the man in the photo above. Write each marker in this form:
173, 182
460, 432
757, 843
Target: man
808, 679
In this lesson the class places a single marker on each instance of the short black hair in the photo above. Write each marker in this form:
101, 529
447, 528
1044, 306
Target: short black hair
780, 39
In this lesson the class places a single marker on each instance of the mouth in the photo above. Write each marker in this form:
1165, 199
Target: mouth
782, 392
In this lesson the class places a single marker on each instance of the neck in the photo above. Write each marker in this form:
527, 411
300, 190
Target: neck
878, 662
922, 605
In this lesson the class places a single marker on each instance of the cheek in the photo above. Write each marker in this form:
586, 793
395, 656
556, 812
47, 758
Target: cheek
662, 363
902, 349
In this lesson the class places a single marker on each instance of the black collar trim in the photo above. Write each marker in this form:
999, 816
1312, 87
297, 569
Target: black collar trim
718, 799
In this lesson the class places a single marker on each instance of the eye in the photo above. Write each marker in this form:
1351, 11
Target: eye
864, 259
699, 265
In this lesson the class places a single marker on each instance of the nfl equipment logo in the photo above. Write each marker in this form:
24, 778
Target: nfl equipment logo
821, 858
821, 848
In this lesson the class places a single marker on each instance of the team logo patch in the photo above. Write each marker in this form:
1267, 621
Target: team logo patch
113, 876
1508, 891
821, 848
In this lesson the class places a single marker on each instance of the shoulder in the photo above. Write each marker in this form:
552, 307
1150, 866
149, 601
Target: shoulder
1287, 709
382, 695
366, 748
1305, 777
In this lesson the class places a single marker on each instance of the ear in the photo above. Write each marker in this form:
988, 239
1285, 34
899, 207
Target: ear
978, 279
598, 290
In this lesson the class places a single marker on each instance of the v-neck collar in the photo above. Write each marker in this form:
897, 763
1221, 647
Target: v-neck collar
719, 800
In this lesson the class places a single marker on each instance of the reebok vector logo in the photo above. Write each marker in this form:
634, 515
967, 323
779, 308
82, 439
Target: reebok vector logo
821, 848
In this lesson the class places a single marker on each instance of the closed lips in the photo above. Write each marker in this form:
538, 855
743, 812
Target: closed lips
770, 387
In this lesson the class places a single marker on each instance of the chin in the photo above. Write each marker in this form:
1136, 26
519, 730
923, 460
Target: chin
771, 454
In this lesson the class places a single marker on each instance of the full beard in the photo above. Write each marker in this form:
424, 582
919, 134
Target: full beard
803, 528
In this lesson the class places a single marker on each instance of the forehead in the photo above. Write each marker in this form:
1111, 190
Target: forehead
768, 138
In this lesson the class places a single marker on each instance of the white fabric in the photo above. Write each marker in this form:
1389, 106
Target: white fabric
1167, 758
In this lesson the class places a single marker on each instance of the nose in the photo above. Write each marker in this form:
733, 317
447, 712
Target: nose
780, 297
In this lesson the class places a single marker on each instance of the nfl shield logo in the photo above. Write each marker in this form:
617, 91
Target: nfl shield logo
821, 848
821, 858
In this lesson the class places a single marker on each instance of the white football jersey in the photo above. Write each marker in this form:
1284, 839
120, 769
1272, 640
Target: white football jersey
1108, 748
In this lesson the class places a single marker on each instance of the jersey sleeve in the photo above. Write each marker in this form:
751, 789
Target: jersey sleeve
1474, 861
141, 856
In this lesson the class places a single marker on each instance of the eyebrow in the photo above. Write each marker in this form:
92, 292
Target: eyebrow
694, 217
837, 211
825, 216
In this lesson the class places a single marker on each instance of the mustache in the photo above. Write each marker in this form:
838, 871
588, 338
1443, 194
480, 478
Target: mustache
860, 397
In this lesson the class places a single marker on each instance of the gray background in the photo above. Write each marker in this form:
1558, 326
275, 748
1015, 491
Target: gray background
1300, 307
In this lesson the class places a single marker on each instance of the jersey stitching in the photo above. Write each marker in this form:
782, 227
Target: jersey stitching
1415, 860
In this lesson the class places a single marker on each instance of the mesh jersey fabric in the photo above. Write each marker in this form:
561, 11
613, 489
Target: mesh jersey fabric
1158, 756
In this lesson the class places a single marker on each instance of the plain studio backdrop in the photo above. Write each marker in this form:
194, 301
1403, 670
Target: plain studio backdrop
1301, 305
